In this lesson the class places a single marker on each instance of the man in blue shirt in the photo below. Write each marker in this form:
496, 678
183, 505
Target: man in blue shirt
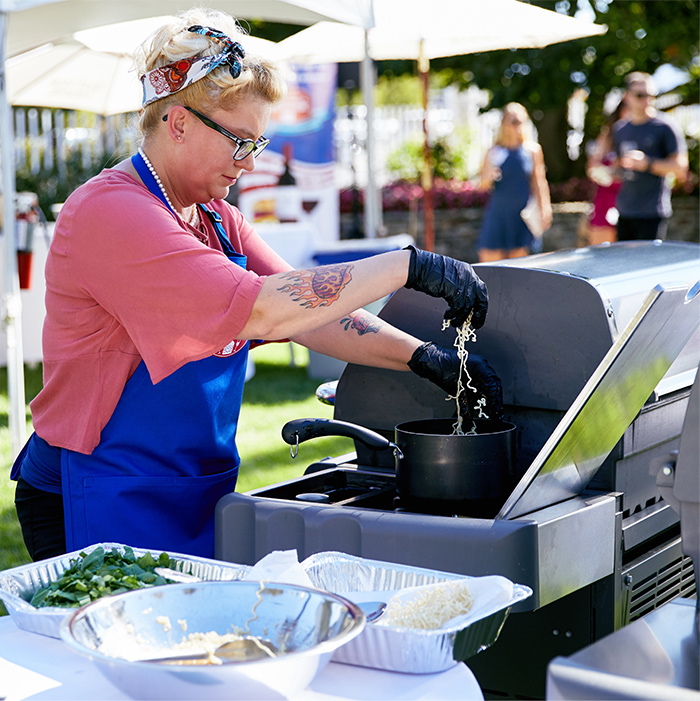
649, 148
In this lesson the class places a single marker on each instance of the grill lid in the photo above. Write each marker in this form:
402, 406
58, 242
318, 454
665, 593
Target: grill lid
610, 400
552, 318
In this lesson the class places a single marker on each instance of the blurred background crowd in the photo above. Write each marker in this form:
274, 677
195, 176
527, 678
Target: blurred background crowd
570, 90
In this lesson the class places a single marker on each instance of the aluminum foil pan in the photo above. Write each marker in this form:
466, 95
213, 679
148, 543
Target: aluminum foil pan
403, 650
18, 585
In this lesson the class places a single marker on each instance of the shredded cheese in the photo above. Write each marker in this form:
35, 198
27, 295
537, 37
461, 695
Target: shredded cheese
165, 622
430, 608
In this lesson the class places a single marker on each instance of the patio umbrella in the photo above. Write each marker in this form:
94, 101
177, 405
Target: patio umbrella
412, 29
92, 71
72, 76
28, 24
32, 23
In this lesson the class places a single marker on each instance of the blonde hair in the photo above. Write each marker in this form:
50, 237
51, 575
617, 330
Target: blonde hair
260, 77
513, 108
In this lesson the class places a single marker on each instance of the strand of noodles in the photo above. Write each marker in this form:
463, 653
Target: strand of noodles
465, 333
255, 606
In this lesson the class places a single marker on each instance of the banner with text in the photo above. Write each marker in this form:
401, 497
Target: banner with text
293, 180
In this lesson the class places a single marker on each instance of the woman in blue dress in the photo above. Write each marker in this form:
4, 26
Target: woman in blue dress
514, 172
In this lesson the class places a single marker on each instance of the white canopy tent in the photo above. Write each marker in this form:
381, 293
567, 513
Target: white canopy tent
28, 24
412, 29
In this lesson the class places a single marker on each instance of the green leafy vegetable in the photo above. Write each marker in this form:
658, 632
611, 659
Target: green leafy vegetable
100, 573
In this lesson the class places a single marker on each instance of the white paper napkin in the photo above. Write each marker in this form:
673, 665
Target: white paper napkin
280, 566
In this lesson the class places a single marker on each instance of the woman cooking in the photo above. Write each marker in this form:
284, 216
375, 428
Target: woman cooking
154, 288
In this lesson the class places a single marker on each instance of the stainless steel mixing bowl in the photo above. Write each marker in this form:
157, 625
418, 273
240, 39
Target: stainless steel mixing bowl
120, 633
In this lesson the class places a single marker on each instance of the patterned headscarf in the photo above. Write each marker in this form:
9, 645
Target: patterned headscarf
169, 79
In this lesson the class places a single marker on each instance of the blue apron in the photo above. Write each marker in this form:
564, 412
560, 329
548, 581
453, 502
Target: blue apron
167, 454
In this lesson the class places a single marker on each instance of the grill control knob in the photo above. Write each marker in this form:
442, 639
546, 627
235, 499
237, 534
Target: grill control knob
314, 496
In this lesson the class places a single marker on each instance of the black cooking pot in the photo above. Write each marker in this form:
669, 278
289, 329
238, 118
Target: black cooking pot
435, 470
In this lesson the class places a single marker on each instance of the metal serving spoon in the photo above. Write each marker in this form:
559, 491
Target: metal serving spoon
245, 649
372, 609
250, 648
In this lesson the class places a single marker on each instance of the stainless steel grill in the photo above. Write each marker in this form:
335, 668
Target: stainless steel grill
656, 656
575, 337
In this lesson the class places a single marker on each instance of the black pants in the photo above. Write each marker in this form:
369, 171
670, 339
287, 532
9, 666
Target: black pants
636, 229
40, 515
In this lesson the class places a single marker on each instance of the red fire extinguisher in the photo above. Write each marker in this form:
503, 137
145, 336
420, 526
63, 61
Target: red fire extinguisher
27, 215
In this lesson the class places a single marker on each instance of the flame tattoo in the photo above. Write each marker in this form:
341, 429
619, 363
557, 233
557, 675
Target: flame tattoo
318, 287
362, 323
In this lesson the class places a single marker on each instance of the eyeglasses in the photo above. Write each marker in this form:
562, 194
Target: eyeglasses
244, 147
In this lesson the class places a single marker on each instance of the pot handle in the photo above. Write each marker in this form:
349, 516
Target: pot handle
300, 430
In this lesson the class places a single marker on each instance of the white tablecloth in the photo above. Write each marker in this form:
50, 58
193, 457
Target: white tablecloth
295, 242
35, 666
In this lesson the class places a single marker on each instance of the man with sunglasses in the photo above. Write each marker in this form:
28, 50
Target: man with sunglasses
650, 147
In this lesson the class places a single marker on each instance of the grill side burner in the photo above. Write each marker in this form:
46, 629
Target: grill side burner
340, 487
595, 560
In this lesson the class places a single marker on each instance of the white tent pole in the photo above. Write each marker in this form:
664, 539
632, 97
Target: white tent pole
12, 302
372, 199
427, 174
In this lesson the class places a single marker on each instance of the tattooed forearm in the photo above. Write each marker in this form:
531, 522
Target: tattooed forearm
318, 287
363, 323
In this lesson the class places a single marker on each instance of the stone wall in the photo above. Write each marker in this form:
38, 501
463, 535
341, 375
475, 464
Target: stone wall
456, 231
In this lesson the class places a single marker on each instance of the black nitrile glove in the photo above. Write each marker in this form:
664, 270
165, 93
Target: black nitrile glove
441, 366
454, 281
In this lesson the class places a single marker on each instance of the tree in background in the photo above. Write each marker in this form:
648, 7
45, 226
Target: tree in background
641, 36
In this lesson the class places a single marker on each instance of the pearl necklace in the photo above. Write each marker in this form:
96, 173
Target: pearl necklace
193, 216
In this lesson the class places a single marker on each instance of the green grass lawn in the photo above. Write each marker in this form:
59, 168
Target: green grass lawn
279, 393
12, 550
276, 394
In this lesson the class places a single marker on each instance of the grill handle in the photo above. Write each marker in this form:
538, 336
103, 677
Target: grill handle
300, 430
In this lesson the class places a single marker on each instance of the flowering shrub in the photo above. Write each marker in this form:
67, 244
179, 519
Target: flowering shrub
456, 194
572, 190
348, 196
689, 186
404, 195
